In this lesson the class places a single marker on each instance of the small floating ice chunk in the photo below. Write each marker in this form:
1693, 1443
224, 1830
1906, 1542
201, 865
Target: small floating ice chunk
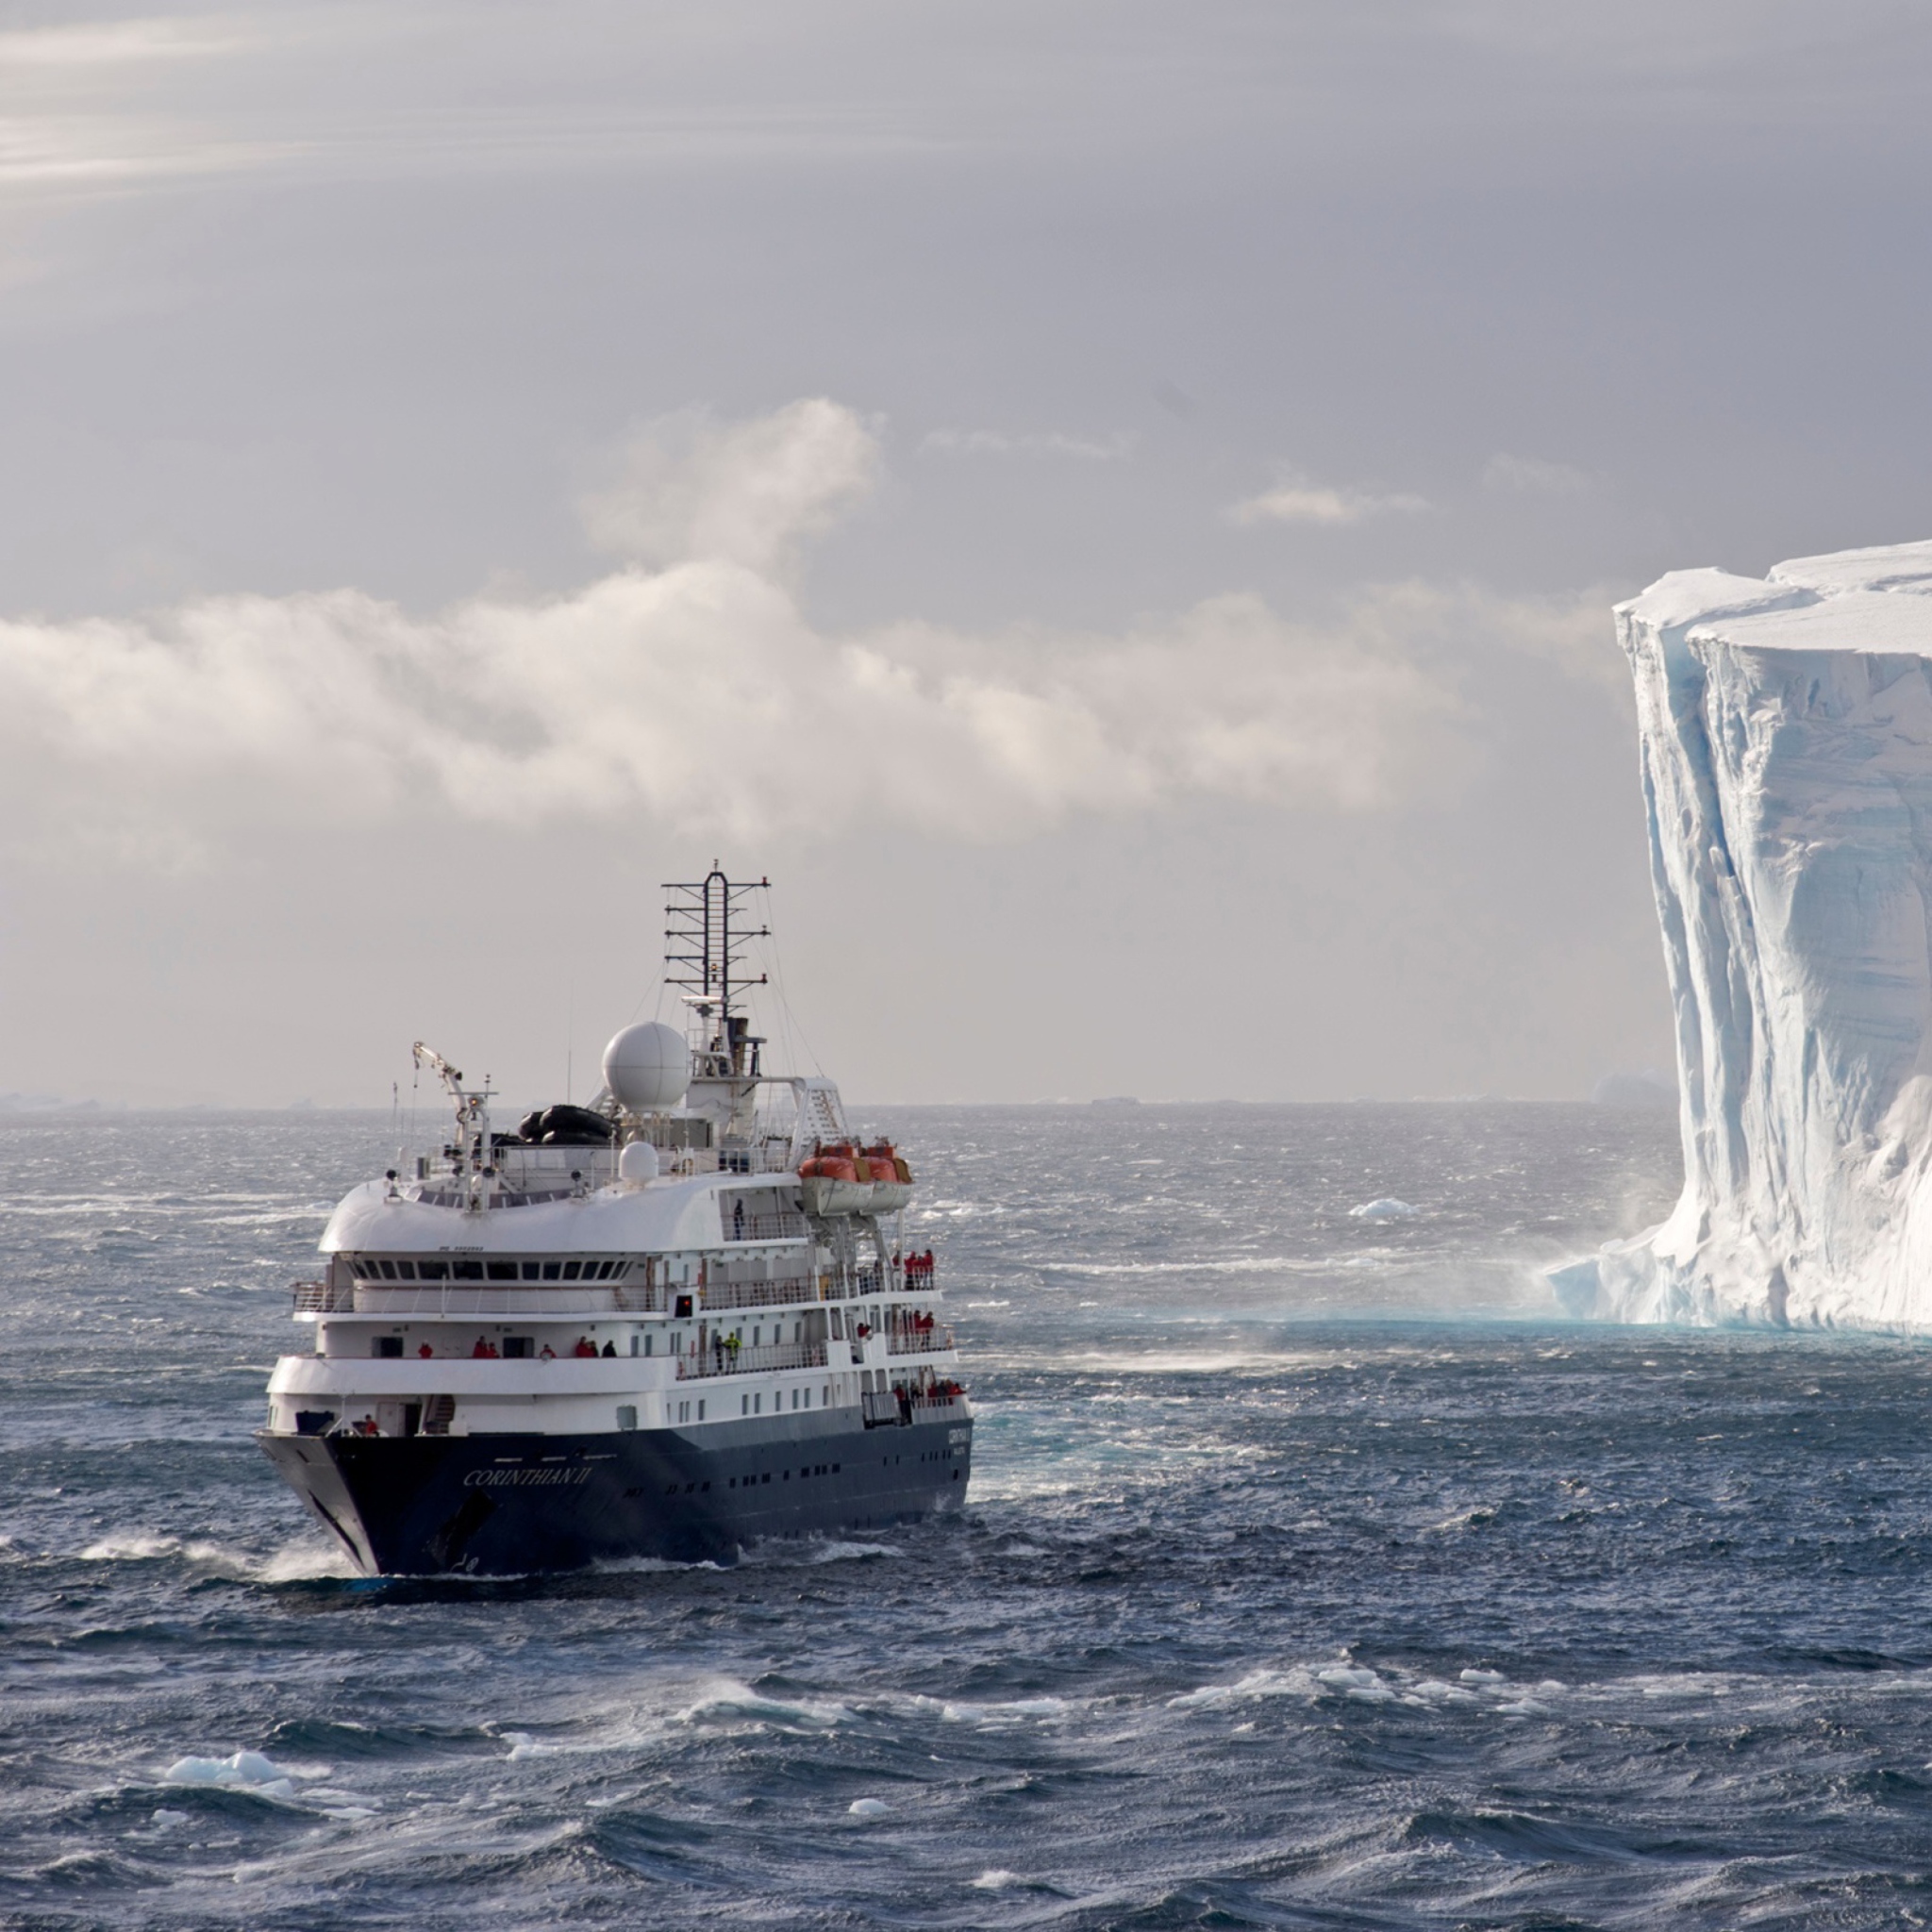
1353, 1681
246, 1771
1433, 1690
868, 1808
1385, 1209
1483, 1677
165, 1820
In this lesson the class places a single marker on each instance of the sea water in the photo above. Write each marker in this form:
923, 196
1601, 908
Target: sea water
1314, 1573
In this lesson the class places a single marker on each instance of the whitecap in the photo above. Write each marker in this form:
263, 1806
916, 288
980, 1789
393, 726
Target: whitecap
727, 1697
1290, 1683
779, 1552
995, 1716
294, 1562
130, 1549
1385, 1209
305, 1562
995, 1880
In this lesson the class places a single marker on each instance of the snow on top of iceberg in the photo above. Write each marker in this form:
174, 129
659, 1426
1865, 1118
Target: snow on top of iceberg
1848, 601
1886, 567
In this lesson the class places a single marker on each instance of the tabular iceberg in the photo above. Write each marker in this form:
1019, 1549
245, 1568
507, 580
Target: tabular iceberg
1785, 729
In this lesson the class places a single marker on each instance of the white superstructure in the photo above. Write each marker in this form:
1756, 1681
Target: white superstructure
703, 1271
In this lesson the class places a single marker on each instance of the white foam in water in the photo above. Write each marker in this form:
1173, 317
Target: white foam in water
784, 1551
131, 1549
727, 1697
305, 1562
995, 1880
293, 1563
997, 1716
1296, 1682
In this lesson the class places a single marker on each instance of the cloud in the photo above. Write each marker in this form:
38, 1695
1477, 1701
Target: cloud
696, 489
116, 44
1296, 499
999, 442
693, 691
1532, 476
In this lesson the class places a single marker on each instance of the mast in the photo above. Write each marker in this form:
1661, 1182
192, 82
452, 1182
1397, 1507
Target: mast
704, 948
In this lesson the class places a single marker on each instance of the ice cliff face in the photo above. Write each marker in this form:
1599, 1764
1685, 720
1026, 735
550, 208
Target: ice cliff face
1786, 732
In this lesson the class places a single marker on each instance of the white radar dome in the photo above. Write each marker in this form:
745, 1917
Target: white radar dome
647, 1068
638, 1163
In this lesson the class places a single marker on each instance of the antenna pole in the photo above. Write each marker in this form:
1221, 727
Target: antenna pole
702, 951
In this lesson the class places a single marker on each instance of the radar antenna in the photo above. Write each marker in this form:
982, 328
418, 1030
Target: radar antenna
702, 951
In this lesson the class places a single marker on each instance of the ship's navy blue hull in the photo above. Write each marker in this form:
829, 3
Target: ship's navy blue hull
508, 1504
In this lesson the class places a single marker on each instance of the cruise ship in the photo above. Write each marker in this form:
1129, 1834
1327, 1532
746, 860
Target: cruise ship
666, 1324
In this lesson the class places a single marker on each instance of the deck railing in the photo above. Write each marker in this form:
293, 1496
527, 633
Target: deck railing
747, 1362
323, 1297
918, 1340
566, 1299
760, 1294
782, 1226
884, 1409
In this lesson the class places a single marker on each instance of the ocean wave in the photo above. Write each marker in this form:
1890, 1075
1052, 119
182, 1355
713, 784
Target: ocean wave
728, 1697
298, 1563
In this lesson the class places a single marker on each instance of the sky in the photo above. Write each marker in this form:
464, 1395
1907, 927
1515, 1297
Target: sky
1114, 508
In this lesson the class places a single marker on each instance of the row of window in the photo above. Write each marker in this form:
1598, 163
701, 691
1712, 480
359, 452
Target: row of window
372, 1269
755, 1404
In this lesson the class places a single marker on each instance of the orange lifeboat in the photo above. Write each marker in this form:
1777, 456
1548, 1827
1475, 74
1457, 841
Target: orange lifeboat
891, 1179
836, 1180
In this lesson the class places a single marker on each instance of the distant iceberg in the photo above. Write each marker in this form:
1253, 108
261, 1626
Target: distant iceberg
1786, 735
1387, 1209
1647, 1089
